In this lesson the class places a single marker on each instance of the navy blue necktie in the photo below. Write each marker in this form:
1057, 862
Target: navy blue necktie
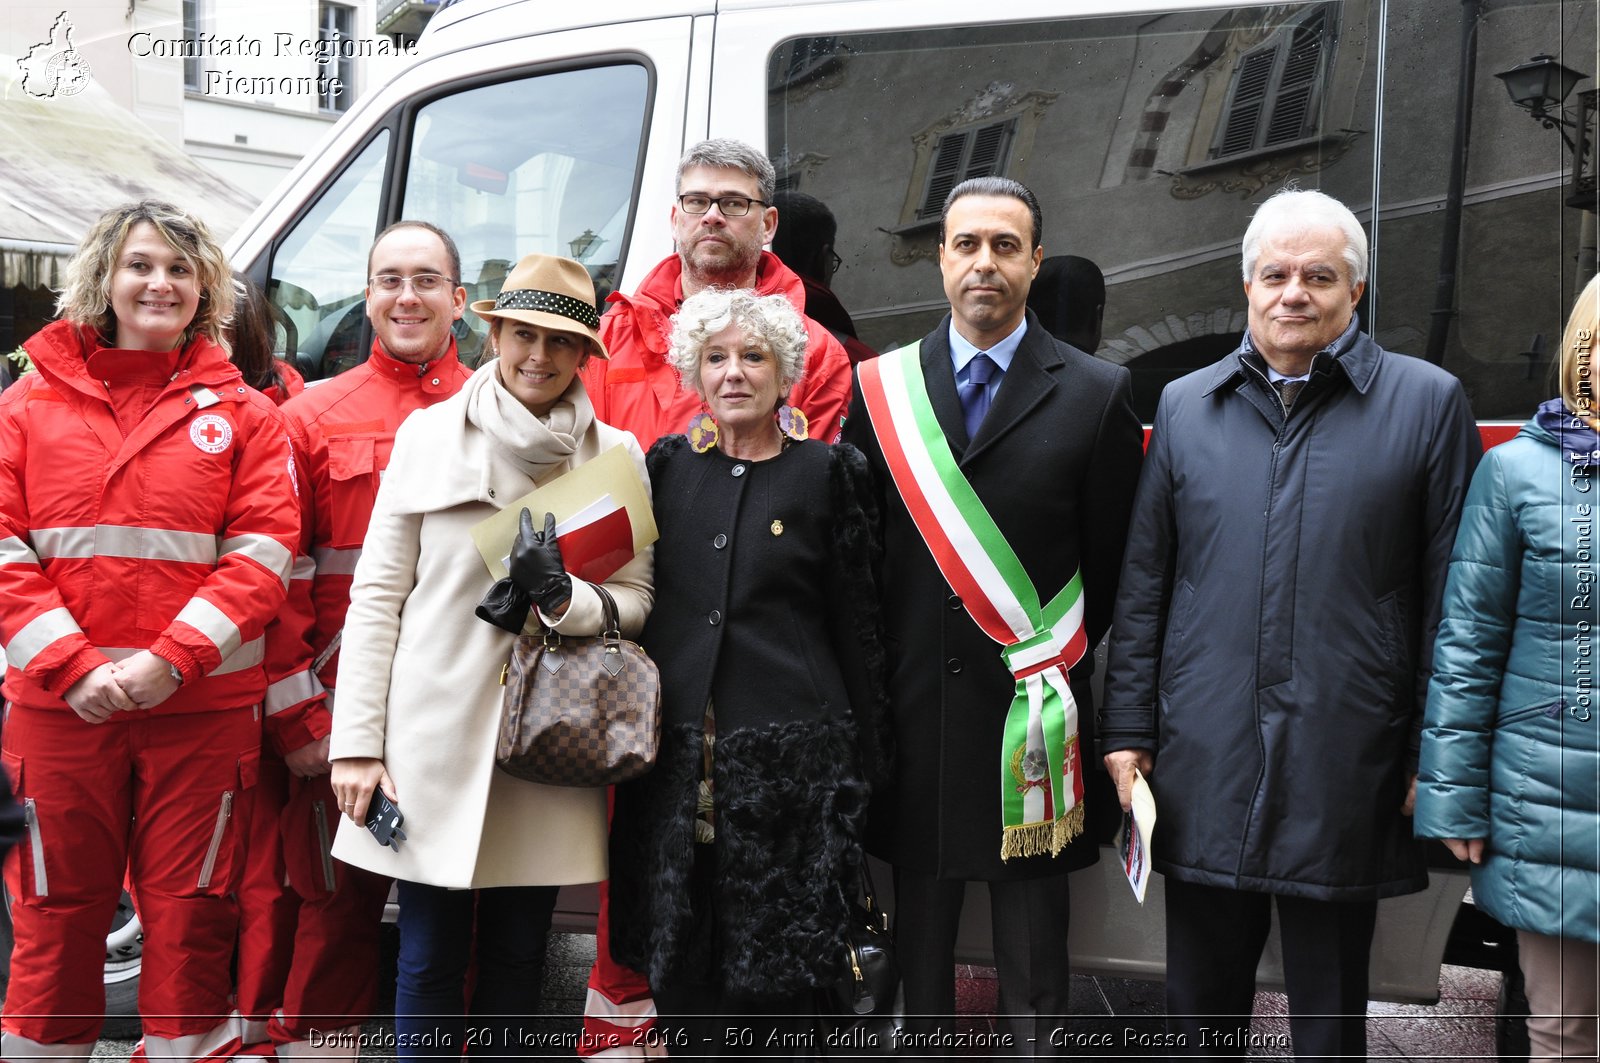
975, 393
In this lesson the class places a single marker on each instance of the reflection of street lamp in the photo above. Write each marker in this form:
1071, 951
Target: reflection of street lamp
584, 242
1540, 86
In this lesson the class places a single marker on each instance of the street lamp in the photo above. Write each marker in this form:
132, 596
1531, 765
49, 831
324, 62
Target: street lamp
1540, 86
584, 242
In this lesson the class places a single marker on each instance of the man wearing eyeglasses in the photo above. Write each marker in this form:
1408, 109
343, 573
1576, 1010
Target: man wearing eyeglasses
722, 217
308, 954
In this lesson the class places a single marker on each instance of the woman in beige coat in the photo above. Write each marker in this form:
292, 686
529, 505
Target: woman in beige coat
419, 692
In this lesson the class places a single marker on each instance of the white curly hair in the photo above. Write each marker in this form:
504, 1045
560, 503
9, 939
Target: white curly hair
771, 319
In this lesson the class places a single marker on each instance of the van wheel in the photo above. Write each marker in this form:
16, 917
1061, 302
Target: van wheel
124, 957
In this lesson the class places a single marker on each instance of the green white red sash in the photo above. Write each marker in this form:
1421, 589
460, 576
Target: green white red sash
1041, 767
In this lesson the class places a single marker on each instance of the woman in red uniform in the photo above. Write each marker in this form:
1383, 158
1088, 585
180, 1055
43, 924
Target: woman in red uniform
147, 529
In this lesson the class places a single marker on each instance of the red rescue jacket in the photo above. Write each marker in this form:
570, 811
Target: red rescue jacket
170, 528
343, 431
638, 391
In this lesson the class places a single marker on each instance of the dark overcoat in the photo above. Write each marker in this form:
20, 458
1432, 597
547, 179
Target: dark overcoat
765, 608
1274, 633
1055, 463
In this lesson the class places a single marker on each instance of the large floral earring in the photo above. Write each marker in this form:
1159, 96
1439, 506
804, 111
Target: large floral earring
792, 422
702, 432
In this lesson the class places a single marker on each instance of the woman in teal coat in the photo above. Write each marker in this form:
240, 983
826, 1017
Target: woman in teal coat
1510, 771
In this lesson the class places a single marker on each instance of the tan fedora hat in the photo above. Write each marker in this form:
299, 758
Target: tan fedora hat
548, 290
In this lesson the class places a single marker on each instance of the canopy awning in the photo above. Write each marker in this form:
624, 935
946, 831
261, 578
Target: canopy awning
66, 159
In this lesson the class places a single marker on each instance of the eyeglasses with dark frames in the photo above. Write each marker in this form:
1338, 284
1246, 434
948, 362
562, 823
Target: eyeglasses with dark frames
421, 283
731, 206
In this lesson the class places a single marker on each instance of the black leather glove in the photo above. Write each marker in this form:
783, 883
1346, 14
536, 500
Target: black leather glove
505, 606
536, 564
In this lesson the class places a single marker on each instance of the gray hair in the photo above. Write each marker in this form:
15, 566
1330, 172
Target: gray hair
769, 318
728, 154
1295, 210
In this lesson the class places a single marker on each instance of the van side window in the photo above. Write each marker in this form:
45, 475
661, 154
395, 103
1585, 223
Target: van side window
1151, 138
542, 164
319, 273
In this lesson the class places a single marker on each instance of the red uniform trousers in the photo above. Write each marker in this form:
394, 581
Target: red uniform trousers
619, 1013
152, 794
266, 906
328, 935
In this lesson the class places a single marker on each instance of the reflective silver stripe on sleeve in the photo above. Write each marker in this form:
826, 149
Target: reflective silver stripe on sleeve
265, 550
120, 540
13, 551
38, 633
291, 690
332, 562
249, 655
304, 567
213, 623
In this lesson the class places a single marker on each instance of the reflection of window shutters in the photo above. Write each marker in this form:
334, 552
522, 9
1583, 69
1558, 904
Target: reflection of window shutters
1275, 89
1249, 99
973, 152
1298, 83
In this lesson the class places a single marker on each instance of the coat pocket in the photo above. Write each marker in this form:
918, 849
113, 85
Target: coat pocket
353, 486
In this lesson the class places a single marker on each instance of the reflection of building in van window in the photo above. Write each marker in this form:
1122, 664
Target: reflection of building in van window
1150, 139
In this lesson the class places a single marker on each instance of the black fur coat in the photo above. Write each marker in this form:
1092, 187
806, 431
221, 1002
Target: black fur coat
765, 608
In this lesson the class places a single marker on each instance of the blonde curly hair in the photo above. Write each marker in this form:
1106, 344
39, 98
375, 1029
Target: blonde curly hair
772, 319
85, 299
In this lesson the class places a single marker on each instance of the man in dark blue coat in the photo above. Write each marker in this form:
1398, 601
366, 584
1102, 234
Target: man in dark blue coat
1273, 636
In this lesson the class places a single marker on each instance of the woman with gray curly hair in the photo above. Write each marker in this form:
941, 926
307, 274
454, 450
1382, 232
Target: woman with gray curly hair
732, 861
148, 523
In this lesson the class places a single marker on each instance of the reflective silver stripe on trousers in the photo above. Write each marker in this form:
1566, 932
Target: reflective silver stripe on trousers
14, 551
249, 655
265, 551
213, 623
38, 633
332, 562
223, 1037
118, 540
16, 1047
30, 818
292, 690
209, 866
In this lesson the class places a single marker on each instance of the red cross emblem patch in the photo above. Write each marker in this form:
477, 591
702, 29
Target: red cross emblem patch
210, 433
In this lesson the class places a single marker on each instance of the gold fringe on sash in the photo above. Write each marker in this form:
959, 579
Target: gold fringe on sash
1042, 839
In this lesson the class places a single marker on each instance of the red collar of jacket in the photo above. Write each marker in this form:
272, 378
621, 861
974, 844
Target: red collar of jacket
438, 377
60, 353
659, 296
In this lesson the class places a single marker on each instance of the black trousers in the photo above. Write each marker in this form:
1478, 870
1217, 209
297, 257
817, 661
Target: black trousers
1030, 952
1214, 941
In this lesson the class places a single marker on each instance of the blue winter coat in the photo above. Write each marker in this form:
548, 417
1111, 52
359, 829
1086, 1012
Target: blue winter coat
1509, 750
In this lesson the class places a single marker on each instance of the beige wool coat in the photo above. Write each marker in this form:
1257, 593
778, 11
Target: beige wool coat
419, 673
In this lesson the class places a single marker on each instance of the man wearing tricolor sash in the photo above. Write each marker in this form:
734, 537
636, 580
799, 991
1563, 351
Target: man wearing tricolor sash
1007, 463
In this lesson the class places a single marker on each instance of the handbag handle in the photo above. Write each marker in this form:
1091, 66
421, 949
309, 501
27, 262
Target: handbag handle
871, 892
608, 605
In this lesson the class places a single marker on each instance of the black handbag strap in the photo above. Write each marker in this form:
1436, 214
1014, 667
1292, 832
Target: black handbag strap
608, 604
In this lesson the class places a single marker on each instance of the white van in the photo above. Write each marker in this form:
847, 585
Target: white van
1148, 128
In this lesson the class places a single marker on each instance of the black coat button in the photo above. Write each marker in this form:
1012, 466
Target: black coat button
738, 470
720, 541
954, 601
953, 665
715, 617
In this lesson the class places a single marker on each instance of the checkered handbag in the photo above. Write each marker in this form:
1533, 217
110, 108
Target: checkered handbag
579, 711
